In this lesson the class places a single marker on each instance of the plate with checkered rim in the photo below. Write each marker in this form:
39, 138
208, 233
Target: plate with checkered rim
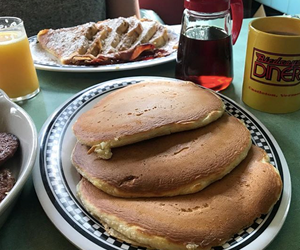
55, 179
44, 61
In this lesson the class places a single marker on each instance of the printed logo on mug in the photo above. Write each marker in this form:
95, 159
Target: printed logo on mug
272, 67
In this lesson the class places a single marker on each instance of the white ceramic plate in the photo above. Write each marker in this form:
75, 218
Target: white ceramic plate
55, 178
45, 61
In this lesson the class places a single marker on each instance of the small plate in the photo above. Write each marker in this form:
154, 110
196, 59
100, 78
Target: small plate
55, 178
44, 61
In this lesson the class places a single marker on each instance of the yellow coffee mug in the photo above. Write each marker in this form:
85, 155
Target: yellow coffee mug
272, 67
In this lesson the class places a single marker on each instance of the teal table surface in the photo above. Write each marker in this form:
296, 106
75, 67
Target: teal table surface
28, 227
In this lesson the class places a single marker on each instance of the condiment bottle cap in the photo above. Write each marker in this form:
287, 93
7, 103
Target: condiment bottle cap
207, 6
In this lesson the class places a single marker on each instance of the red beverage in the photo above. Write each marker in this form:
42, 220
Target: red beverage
205, 57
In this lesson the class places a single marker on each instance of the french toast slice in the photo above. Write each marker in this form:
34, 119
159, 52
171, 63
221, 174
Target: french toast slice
67, 42
107, 42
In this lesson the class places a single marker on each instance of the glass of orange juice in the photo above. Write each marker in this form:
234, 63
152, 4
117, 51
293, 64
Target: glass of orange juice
18, 76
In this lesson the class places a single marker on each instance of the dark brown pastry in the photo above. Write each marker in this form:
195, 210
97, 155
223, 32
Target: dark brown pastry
7, 182
9, 144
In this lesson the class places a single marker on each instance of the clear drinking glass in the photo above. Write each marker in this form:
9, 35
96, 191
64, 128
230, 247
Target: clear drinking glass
208, 31
18, 78
205, 49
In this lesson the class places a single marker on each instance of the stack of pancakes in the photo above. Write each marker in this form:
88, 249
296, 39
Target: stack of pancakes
164, 167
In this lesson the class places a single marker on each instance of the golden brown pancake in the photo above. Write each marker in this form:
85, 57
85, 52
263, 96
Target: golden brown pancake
175, 164
146, 110
196, 221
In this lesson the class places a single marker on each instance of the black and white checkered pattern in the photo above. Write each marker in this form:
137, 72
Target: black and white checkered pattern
73, 210
258, 138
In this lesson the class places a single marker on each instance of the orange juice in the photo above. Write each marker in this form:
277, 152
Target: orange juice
18, 77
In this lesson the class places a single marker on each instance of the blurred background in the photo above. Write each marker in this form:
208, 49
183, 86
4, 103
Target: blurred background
170, 11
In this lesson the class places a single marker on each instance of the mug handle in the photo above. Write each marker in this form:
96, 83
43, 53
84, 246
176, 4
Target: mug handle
237, 13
